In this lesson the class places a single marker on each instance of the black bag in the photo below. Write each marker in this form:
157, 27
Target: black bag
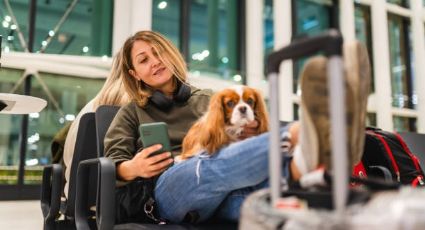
387, 153
135, 203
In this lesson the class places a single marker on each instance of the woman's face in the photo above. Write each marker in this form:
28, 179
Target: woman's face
149, 68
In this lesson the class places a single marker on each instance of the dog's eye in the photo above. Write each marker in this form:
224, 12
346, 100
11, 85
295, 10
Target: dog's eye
230, 104
250, 101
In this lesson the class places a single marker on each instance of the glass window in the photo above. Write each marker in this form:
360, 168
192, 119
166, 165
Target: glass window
268, 27
404, 3
209, 37
55, 26
214, 38
166, 19
65, 96
296, 111
400, 62
14, 20
371, 120
364, 33
311, 18
11, 128
404, 124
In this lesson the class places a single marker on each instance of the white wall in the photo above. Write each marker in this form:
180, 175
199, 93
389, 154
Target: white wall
130, 16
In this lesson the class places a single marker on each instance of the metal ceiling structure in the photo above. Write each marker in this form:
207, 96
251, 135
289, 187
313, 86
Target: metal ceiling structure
62, 26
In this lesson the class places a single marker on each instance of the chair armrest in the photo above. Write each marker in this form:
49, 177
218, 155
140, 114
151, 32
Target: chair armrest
105, 205
51, 191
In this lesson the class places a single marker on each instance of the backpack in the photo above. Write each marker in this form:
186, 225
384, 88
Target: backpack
387, 155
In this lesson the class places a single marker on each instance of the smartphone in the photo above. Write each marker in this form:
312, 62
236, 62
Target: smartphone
155, 133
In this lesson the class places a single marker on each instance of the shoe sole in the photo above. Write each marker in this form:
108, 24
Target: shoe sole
315, 120
315, 105
357, 72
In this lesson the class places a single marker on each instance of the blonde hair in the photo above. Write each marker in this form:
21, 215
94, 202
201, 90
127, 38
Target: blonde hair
167, 53
113, 91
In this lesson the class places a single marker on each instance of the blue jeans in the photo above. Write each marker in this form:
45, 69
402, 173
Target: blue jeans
203, 182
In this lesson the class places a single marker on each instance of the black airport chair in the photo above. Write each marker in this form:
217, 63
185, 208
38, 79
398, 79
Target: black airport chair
52, 185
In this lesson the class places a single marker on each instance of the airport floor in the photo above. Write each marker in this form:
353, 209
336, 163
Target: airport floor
21, 215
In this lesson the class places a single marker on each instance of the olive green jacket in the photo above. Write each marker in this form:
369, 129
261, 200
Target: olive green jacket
122, 139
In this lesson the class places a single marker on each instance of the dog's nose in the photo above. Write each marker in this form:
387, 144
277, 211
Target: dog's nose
242, 109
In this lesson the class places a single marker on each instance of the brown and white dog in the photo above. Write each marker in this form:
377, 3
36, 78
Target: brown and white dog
229, 110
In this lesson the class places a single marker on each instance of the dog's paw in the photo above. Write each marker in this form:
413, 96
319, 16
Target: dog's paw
234, 132
178, 159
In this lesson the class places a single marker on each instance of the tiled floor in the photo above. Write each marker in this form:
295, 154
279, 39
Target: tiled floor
20, 215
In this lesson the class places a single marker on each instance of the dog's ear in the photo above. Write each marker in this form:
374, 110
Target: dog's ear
213, 135
261, 113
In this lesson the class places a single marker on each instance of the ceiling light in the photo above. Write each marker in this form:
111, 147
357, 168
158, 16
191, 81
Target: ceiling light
237, 78
5, 24
31, 162
69, 117
162, 5
205, 53
225, 60
34, 115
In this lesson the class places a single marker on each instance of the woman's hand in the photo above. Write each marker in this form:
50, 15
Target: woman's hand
142, 165
249, 130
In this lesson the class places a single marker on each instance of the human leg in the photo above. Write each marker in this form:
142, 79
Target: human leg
201, 183
230, 208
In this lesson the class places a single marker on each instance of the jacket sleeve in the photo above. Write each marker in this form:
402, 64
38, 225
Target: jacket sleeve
121, 137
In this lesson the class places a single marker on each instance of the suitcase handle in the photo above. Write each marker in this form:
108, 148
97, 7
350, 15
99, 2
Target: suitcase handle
330, 43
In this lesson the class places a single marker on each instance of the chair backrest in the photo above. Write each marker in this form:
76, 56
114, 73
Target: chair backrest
104, 116
416, 144
85, 148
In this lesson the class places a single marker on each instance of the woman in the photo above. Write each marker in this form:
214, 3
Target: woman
155, 74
